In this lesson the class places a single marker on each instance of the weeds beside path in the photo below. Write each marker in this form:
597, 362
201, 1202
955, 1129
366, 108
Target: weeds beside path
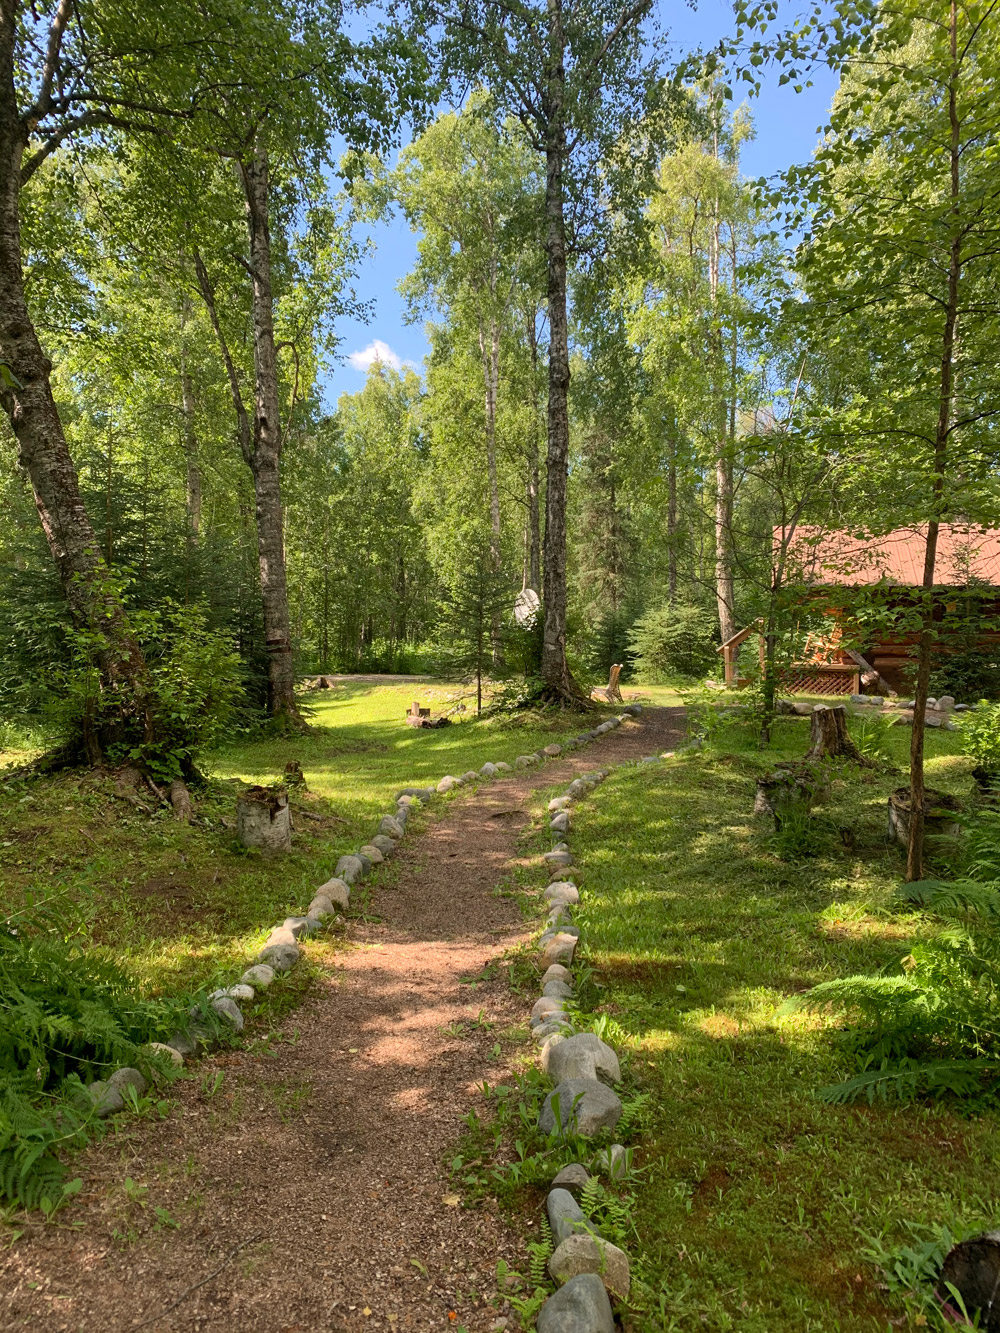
330, 1134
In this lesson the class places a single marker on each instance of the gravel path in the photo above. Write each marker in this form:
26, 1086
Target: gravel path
323, 1157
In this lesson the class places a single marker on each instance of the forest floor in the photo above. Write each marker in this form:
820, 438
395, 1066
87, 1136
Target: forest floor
301, 1181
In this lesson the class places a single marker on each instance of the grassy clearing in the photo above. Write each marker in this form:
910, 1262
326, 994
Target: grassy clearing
764, 1209
185, 905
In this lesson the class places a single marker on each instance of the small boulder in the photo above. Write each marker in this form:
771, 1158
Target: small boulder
559, 949
229, 1010
259, 977
578, 787
572, 1178
558, 857
183, 1043
488, 770
524, 761
385, 845
561, 891
546, 1005
350, 868
447, 783
633, 709
559, 823
559, 803
338, 891
553, 750
128, 1078
171, 1053
580, 1105
301, 926
612, 1162
373, 854
104, 1098
320, 907
581, 1306
584, 1253
552, 1027
503, 767
280, 935
946, 703
418, 793
238, 992
557, 990
584, 1056
565, 1215
470, 775
557, 973
391, 827
280, 957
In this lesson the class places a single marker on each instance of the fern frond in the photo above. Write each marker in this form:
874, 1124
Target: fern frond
908, 1079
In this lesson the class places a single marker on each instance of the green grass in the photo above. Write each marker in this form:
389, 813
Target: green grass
760, 1202
183, 905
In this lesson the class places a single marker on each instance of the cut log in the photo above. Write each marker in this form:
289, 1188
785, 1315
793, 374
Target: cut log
829, 738
870, 676
264, 819
972, 1268
294, 777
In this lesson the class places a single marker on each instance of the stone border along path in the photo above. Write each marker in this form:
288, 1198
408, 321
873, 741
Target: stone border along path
590, 1271
281, 949
310, 1188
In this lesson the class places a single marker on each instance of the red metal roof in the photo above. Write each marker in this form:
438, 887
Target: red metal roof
964, 554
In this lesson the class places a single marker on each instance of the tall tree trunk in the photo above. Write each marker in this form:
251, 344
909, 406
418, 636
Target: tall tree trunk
555, 671
489, 346
915, 846
533, 531
124, 710
672, 513
724, 590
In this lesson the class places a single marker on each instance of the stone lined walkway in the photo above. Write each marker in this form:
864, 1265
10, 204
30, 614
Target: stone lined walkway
311, 1189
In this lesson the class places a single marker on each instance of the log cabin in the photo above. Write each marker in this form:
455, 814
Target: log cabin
835, 567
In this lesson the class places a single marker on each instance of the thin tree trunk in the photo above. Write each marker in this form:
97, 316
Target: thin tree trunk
915, 846
192, 497
554, 668
125, 711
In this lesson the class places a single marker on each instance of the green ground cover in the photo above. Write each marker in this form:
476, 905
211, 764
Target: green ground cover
764, 1209
184, 905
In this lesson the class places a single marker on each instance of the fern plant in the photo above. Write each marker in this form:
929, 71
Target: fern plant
932, 1029
66, 1017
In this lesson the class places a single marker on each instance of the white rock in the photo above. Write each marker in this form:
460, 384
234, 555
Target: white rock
260, 976
337, 891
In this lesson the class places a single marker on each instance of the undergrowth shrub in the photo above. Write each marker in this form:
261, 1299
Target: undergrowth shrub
673, 643
66, 1017
930, 1029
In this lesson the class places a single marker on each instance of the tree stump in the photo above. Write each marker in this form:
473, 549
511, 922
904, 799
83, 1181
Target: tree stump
940, 809
264, 819
294, 777
829, 739
973, 1269
610, 693
789, 791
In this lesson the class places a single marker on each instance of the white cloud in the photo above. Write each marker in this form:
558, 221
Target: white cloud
375, 351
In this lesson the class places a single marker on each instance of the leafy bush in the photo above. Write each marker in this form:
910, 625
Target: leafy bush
981, 736
969, 673
673, 643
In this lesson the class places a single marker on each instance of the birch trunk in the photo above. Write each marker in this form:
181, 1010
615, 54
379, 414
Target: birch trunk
123, 711
554, 669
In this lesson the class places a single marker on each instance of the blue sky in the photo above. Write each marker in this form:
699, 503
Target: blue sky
786, 124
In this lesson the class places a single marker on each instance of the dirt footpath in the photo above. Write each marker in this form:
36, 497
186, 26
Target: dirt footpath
309, 1190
